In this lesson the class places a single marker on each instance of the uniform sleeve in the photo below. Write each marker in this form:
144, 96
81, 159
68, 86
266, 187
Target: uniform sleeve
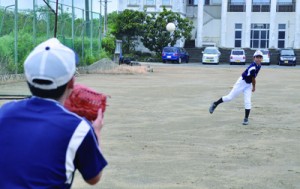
89, 159
253, 72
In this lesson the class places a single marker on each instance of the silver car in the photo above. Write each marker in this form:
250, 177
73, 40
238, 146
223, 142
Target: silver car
211, 55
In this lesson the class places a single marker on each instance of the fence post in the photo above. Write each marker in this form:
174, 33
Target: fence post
16, 36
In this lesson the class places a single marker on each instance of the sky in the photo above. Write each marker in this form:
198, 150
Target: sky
24, 4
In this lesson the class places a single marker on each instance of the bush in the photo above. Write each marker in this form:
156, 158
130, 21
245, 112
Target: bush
26, 45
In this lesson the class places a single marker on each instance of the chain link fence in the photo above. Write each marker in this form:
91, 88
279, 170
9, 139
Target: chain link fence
22, 29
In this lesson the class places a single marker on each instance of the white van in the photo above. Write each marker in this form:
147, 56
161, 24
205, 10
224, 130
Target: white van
211, 55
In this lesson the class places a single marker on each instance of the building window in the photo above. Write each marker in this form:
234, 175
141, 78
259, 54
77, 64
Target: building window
284, 1
166, 2
261, 5
192, 2
281, 35
259, 36
212, 2
238, 35
236, 6
133, 2
285, 6
149, 2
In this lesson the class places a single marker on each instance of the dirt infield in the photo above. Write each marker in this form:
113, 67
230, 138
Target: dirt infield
159, 134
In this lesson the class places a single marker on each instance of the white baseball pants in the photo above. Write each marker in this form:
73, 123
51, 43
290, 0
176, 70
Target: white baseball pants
239, 87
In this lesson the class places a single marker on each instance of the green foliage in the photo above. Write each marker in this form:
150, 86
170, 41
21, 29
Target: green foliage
86, 54
7, 43
6, 47
109, 44
25, 45
155, 35
111, 20
31, 33
130, 25
7, 54
127, 26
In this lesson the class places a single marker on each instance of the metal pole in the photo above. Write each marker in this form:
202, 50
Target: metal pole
16, 36
34, 23
82, 35
48, 22
62, 21
56, 14
105, 17
87, 17
73, 19
100, 29
100, 40
100, 7
91, 36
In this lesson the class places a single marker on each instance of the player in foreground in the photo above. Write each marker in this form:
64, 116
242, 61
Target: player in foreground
246, 83
42, 143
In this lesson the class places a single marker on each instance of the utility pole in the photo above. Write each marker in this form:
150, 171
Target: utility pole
100, 26
105, 15
105, 18
87, 17
16, 36
34, 23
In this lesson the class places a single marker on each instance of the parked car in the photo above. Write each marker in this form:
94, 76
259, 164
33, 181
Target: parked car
211, 55
237, 56
287, 57
175, 54
266, 56
125, 60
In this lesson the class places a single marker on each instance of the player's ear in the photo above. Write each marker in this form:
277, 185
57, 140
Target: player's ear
71, 83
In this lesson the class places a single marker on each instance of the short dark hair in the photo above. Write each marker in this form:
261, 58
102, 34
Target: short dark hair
52, 93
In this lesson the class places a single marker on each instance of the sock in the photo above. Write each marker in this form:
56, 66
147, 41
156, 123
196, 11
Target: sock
218, 102
247, 112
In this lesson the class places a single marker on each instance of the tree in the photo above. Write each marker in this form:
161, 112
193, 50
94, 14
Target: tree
155, 36
127, 26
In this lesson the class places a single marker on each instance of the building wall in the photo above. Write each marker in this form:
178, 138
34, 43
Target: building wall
211, 32
139, 5
220, 30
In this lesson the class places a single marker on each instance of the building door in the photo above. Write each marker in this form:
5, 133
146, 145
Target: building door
259, 36
207, 2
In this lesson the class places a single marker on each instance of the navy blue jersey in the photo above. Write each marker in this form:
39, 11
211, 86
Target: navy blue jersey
42, 144
250, 72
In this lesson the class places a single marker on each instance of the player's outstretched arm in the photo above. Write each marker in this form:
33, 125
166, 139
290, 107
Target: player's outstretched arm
253, 84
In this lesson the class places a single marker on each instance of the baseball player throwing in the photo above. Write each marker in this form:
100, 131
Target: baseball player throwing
246, 84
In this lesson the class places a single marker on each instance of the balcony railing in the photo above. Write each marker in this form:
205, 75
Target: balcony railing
261, 7
285, 7
236, 7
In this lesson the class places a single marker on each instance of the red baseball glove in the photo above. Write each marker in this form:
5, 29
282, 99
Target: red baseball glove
86, 102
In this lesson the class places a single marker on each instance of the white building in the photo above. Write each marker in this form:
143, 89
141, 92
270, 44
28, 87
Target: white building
234, 23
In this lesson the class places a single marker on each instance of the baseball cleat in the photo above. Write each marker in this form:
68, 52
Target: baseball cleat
212, 108
245, 122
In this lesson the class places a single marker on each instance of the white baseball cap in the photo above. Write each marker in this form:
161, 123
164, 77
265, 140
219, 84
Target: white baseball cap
258, 53
51, 62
